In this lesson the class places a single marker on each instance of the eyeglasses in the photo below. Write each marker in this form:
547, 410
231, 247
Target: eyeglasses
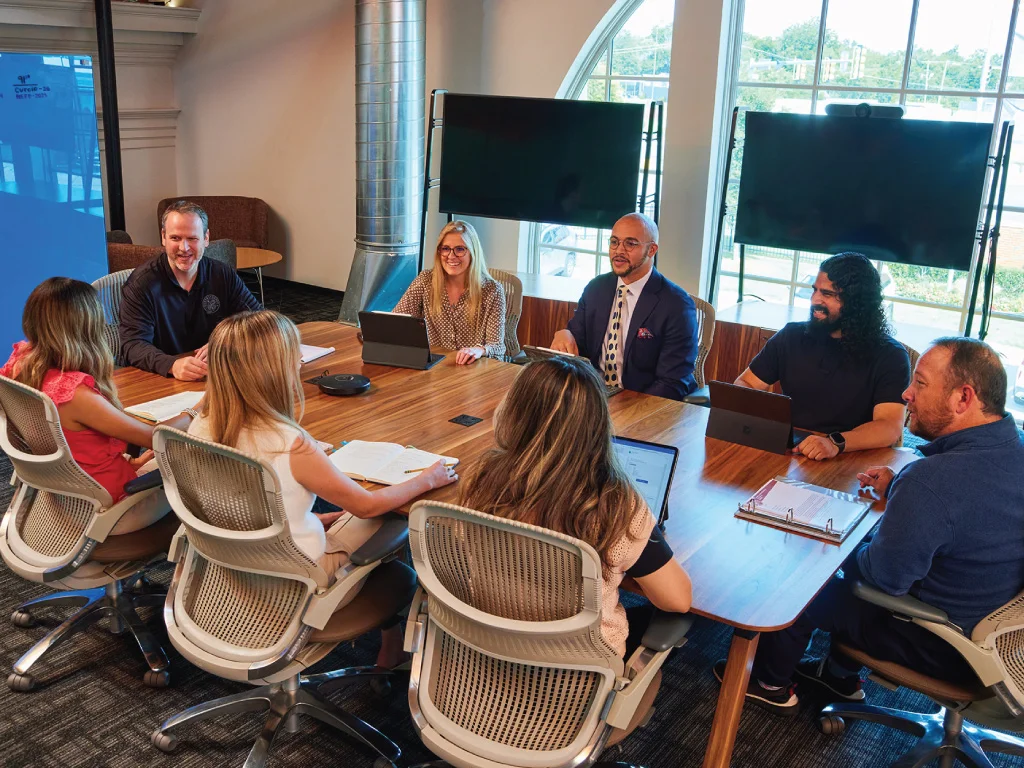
460, 251
630, 243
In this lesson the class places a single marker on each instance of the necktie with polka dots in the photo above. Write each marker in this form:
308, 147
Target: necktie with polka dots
611, 358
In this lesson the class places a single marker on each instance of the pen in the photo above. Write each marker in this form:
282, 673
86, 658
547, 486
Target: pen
447, 464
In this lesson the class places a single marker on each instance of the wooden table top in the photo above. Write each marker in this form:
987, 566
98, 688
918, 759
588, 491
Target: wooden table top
250, 258
744, 574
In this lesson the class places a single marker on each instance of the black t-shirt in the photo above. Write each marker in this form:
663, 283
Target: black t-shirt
831, 391
656, 553
160, 319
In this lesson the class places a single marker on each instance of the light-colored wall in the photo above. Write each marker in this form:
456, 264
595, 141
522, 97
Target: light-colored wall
266, 92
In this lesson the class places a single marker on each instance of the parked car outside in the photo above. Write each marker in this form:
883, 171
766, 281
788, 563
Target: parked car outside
560, 260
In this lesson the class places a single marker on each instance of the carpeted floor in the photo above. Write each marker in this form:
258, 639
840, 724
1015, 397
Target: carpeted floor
91, 708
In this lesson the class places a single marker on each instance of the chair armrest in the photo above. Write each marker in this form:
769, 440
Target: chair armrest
667, 630
144, 482
179, 545
388, 539
700, 396
904, 605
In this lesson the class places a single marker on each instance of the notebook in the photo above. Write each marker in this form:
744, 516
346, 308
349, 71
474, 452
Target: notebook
166, 407
311, 353
804, 508
384, 463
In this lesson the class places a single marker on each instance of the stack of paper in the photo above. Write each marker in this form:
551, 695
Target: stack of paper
166, 407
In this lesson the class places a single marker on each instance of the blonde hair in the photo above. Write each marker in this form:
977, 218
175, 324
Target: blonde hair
474, 279
63, 323
554, 464
253, 378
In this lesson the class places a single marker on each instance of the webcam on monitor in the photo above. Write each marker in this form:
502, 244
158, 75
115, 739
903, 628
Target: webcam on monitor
864, 110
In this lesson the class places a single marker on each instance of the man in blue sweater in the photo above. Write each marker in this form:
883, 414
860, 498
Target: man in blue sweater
952, 535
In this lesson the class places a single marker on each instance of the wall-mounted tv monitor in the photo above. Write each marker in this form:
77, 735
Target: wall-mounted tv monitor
548, 160
894, 189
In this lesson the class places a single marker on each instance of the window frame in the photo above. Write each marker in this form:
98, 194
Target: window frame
816, 88
600, 46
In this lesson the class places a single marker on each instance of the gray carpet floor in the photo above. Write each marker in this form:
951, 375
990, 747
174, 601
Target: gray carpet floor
91, 708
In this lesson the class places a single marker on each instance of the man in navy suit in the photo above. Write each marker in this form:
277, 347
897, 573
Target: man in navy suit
638, 328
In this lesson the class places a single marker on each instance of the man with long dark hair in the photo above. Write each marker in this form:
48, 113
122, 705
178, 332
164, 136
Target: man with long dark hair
842, 367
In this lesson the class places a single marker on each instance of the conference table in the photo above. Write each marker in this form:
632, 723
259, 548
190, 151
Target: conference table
751, 577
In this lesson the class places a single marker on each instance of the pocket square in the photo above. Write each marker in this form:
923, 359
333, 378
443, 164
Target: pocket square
644, 333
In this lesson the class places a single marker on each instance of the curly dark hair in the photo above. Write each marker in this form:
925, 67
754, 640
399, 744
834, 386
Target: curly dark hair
862, 321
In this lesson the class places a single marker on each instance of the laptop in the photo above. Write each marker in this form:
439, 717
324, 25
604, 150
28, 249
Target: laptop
542, 353
751, 417
396, 340
650, 467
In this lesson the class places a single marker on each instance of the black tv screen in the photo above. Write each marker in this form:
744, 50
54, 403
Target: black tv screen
894, 189
546, 160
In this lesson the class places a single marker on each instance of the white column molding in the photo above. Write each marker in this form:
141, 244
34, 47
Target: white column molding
145, 128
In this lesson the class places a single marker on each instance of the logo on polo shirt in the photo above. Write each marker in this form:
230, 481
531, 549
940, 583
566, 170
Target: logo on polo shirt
211, 303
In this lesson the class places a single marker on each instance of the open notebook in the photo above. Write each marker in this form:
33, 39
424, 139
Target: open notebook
384, 463
311, 353
166, 407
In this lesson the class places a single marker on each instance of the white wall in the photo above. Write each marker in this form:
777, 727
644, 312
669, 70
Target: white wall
266, 92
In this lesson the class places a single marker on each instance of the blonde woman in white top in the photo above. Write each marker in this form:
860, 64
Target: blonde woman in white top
253, 394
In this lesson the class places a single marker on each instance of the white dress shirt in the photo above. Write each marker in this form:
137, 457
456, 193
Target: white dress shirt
633, 291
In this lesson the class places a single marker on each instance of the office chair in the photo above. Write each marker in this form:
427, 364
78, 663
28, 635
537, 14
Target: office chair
705, 336
109, 288
995, 701
246, 604
509, 666
513, 288
56, 532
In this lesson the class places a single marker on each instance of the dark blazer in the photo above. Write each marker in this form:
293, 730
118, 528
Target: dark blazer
658, 361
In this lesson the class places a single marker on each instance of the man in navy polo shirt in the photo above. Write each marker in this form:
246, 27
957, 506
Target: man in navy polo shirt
172, 303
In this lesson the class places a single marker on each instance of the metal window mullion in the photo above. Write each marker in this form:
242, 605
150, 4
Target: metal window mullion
873, 89
908, 57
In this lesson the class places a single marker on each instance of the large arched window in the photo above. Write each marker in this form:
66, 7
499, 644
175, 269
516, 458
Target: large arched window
628, 63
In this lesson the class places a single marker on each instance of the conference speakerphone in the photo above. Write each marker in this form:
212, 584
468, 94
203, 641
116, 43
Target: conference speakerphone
751, 417
650, 467
396, 340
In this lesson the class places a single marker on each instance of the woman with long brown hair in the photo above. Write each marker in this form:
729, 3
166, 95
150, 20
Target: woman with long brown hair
254, 402
463, 305
554, 466
66, 357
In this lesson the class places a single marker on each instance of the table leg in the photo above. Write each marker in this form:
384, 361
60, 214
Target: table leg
259, 277
730, 699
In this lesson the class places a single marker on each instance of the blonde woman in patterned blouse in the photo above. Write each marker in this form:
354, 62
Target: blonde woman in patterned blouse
463, 305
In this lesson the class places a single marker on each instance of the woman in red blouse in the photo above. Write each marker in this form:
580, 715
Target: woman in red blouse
66, 358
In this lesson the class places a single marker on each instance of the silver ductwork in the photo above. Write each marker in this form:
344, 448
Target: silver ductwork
390, 110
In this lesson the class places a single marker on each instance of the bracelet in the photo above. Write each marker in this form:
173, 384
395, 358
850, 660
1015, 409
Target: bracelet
192, 412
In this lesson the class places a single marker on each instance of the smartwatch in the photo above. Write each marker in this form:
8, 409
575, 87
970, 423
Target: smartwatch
838, 440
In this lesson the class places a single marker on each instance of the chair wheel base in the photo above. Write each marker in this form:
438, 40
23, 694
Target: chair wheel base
381, 686
20, 683
831, 725
157, 679
165, 742
23, 619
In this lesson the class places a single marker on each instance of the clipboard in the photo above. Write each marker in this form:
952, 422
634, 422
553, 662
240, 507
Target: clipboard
834, 528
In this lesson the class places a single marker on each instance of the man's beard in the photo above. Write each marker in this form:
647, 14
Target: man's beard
825, 326
930, 425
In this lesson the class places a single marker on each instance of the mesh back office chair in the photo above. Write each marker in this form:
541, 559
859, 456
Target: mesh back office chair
109, 288
246, 604
705, 336
56, 533
513, 288
509, 664
914, 356
995, 651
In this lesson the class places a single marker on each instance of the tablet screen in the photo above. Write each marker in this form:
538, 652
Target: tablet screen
649, 466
